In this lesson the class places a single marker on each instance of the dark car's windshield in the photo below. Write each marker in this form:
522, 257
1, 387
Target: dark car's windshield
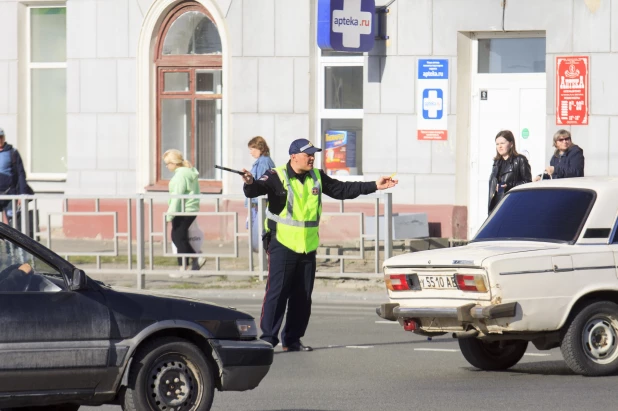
550, 214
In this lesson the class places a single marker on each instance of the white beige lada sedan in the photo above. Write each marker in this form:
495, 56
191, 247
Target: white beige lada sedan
542, 268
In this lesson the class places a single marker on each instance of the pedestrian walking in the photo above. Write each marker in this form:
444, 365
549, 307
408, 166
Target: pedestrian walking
260, 151
568, 159
510, 168
184, 182
294, 193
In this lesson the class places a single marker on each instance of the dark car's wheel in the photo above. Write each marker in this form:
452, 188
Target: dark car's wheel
590, 344
494, 355
169, 374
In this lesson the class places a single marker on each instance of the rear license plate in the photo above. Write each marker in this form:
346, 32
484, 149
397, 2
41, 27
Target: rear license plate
438, 281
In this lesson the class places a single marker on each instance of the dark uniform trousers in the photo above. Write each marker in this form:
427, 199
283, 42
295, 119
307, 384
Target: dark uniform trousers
290, 282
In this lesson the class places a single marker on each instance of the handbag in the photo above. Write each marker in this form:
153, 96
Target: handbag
196, 238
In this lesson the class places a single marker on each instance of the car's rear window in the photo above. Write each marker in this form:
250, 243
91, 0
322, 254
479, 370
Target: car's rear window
539, 215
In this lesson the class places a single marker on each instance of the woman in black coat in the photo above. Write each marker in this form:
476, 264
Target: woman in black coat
568, 159
510, 169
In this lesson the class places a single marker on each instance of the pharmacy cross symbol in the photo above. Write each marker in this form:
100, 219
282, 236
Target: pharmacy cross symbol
432, 104
352, 23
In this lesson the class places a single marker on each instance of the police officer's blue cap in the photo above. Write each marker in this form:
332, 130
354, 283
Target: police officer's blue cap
302, 145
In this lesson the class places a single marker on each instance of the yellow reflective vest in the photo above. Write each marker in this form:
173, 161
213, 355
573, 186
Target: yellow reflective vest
298, 222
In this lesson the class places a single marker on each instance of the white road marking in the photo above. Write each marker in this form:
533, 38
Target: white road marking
530, 354
387, 322
363, 347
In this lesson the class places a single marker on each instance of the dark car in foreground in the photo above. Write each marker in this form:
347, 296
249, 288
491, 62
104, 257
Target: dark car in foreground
66, 340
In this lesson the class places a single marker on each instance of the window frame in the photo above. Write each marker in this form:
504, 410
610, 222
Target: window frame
192, 64
29, 101
335, 114
206, 60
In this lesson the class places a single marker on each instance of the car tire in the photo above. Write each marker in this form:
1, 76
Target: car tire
590, 343
494, 355
169, 374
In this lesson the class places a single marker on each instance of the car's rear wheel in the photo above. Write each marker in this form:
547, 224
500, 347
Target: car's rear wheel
169, 374
590, 344
492, 355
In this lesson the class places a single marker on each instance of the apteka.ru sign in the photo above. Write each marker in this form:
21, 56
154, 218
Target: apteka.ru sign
346, 25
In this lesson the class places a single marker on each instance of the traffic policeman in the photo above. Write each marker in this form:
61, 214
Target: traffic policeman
294, 193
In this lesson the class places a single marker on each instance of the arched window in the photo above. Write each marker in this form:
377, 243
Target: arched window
189, 91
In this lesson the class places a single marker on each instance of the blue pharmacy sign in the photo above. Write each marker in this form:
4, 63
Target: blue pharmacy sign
346, 25
432, 99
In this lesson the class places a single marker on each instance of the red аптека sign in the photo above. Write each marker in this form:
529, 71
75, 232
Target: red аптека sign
572, 90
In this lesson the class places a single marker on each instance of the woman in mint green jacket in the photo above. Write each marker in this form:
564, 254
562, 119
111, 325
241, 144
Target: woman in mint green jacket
184, 182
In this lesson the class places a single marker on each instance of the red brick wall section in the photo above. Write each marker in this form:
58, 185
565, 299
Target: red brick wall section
446, 221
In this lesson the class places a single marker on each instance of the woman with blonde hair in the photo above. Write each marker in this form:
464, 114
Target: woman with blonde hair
260, 151
568, 158
184, 182
510, 168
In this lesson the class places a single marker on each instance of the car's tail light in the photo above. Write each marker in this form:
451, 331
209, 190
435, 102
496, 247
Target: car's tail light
475, 282
247, 329
396, 282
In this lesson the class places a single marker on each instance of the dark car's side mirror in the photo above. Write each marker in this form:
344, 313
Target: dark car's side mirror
78, 282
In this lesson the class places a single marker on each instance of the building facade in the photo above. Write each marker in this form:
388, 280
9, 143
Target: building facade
94, 91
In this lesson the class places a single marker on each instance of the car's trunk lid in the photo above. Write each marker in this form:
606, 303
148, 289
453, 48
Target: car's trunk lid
435, 276
471, 255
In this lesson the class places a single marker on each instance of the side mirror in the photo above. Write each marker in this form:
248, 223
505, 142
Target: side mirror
78, 282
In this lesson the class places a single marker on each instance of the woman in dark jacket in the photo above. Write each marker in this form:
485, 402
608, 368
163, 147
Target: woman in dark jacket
568, 159
510, 169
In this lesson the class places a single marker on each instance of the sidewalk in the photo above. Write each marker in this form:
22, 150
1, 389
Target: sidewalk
320, 294
204, 286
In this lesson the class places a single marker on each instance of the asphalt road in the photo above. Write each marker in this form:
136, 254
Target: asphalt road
362, 363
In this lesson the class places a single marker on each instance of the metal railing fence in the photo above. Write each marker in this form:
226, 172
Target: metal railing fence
144, 234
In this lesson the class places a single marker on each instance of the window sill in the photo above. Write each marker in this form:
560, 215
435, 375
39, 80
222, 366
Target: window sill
206, 187
47, 186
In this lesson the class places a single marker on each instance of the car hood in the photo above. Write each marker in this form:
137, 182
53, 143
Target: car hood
471, 255
163, 306
127, 290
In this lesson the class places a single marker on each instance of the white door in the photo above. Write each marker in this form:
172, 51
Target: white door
508, 93
513, 102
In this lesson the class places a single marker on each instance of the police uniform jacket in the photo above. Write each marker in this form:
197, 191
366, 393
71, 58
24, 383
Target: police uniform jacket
270, 184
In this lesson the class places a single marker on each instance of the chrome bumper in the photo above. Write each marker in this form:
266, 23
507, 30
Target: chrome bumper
464, 313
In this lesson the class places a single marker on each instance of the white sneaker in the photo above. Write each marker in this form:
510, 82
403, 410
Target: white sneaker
201, 261
181, 274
